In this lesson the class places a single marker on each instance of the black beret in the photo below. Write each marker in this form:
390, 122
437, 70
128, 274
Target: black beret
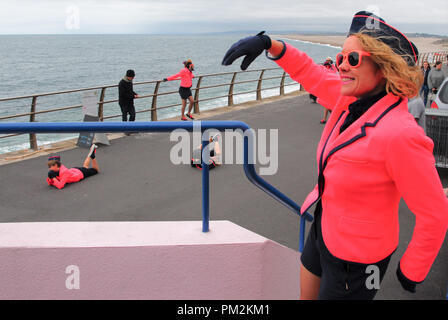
376, 27
130, 73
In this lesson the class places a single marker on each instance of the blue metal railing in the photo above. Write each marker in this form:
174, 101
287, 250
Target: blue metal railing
109, 127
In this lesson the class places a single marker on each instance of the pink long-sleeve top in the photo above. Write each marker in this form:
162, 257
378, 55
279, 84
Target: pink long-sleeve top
65, 176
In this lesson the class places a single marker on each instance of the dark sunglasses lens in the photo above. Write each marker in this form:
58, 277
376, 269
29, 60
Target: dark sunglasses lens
339, 59
353, 59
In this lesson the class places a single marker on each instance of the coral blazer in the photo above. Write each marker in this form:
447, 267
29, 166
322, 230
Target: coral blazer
365, 171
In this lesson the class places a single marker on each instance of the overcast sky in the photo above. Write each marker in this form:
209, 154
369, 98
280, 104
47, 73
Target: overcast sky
202, 16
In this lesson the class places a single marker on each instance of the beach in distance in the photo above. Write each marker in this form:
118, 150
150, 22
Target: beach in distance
424, 44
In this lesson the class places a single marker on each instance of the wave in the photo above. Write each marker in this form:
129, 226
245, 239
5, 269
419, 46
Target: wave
315, 43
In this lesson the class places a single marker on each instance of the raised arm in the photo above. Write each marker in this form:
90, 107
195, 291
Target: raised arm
176, 76
315, 78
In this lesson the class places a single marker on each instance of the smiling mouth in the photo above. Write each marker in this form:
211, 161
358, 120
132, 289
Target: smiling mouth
347, 79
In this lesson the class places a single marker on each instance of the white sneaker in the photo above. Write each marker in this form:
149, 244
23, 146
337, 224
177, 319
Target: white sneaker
92, 151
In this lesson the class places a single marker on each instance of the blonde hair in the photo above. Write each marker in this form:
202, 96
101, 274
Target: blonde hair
401, 79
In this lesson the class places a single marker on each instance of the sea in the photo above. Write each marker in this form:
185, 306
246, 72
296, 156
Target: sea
33, 64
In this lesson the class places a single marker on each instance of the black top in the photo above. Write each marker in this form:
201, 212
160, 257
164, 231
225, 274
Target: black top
426, 74
359, 107
126, 92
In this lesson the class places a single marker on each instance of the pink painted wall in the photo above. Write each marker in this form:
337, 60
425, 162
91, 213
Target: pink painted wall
143, 260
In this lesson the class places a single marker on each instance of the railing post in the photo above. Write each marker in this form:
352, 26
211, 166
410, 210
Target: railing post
282, 84
205, 185
196, 96
33, 138
154, 102
101, 104
230, 97
259, 85
302, 233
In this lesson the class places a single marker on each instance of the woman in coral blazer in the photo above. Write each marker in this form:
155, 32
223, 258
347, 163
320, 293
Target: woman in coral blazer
371, 154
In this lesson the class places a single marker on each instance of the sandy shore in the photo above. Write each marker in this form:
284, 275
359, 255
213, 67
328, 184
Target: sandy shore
423, 44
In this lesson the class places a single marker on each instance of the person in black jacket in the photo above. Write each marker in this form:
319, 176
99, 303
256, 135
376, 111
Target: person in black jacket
126, 96
425, 89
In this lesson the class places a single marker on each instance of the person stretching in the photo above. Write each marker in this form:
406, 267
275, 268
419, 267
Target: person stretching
59, 175
185, 75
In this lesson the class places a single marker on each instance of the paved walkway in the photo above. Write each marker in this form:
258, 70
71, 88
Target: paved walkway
139, 183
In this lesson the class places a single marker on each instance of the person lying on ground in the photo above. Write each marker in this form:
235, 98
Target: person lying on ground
59, 175
215, 154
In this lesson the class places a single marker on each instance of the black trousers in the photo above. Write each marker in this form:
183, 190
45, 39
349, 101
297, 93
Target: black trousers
340, 280
127, 109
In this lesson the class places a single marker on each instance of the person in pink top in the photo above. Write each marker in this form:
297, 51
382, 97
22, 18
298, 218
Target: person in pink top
59, 175
186, 81
371, 154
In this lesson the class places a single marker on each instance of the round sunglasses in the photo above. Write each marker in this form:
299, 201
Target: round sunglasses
354, 58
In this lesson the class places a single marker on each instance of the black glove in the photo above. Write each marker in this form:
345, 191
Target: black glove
250, 47
407, 284
52, 174
165, 79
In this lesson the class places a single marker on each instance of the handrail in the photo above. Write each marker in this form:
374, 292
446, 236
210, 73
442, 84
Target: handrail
106, 127
152, 96
116, 85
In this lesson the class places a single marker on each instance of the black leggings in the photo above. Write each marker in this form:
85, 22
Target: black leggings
87, 172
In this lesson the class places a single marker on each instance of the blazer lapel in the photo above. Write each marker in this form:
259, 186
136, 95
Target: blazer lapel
357, 129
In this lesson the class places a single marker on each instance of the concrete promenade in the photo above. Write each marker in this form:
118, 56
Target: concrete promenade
139, 183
